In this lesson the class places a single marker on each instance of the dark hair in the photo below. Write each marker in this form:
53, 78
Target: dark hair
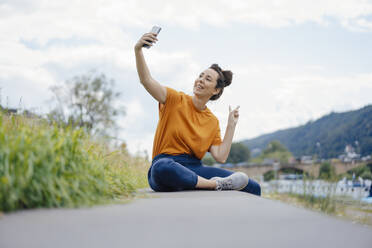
224, 79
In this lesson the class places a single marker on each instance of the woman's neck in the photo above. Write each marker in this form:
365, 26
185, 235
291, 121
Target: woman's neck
199, 103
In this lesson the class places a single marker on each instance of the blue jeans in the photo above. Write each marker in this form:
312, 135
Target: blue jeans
180, 172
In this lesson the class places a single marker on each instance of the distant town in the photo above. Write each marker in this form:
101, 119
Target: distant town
350, 155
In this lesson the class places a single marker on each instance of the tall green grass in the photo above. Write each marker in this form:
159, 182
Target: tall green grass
43, 165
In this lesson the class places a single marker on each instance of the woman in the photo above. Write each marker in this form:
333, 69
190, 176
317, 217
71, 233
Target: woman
187, 129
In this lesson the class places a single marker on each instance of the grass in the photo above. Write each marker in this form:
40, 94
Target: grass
43, 165
341, 207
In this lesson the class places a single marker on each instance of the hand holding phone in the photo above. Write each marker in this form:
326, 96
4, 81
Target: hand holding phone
156, 30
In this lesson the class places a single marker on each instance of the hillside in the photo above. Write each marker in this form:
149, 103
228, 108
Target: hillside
333, 132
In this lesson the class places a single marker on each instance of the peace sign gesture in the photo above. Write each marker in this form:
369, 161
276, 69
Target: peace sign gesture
233, 115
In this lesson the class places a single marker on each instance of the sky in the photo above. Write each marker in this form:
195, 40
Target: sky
292, 61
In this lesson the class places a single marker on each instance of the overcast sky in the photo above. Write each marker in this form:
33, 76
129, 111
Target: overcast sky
292, 61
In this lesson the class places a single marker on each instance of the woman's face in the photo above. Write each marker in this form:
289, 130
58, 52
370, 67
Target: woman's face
205, 84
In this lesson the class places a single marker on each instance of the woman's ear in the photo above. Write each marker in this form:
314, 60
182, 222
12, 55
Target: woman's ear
216, 91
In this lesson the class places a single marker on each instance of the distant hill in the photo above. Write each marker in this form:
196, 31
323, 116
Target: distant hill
333, 132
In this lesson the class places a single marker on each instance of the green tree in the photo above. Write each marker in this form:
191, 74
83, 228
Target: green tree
208, 159
270, 175
275, 150
364, 171
87, 101
238, 153
275, 146
366, 175
326, 171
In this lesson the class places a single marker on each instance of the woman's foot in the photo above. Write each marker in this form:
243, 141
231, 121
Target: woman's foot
236, 181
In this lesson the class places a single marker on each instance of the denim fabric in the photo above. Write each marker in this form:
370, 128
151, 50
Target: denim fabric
180, 172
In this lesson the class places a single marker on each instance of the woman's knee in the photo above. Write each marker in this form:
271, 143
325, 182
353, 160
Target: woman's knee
158, 174
161, 167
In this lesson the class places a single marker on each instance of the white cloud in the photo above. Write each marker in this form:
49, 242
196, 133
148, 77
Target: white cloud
46, 42
134, 111
107, 20
133, 129
275, 97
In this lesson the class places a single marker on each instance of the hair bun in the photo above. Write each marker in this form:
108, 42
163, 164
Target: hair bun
228, 77
224, 79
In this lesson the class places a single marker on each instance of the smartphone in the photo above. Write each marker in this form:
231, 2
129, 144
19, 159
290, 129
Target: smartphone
156, 30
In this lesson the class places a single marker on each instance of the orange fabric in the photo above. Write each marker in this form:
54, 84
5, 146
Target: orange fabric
182, 128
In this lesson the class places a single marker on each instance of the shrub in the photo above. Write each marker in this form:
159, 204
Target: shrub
326, 171
270, 175
364, 171
48, 166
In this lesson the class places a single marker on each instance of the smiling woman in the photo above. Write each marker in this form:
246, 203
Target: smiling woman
222, 79
187, 129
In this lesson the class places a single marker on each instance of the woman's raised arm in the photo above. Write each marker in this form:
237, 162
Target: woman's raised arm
155, 89
221, 153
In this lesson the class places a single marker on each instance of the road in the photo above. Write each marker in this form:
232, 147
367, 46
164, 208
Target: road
182, 219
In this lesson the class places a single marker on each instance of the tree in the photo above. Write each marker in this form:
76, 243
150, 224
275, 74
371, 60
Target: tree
270, 175
275, 146
326, 171
87, 101
364, 171
208, 159
275, 150
238, 153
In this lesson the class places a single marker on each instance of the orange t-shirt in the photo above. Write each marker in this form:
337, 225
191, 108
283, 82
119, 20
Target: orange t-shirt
182, 128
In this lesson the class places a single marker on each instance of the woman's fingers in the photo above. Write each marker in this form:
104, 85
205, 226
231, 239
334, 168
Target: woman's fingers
236, 109
234, 114
148, 39
152, 36
148, 43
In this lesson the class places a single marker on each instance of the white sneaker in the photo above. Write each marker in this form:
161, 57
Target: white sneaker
236, 181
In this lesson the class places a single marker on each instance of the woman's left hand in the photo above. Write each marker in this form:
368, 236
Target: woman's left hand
233, 115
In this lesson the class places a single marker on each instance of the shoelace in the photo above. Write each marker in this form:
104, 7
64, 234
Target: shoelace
225, 184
